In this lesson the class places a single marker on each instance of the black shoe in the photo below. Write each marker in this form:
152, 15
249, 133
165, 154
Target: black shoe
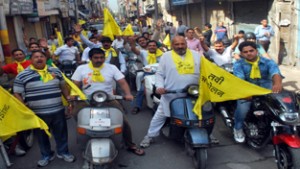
135, 110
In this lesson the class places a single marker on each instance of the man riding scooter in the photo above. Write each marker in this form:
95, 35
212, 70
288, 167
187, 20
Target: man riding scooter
98, 75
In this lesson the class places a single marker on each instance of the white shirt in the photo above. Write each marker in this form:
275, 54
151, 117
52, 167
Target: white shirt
84, 74
221, 59
85, 54
118, 44
66, 53
167, 77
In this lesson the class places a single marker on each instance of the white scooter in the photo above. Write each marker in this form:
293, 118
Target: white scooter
102, 126
152, 98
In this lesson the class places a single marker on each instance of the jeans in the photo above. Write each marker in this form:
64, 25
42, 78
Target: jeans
141, 92
58, 126
242, 108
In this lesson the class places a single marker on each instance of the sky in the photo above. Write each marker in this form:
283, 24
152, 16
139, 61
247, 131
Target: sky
113, 5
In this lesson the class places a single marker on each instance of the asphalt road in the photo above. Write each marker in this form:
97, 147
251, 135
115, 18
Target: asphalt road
163, 154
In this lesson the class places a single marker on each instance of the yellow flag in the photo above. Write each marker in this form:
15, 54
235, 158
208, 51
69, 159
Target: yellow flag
111, 27
75, 91
16, 117
53, 48
216, 85
59, 38
167, 41
81, 21
128, 31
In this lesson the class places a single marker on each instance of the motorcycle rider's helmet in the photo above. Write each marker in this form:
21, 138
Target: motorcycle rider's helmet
250, 36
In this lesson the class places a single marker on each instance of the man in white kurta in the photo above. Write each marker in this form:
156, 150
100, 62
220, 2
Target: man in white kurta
168, 78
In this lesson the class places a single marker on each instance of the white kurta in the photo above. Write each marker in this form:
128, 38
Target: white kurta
167, 77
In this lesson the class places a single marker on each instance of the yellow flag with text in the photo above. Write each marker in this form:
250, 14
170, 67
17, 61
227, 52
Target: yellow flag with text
167, 41
217, 85
111, 27
128, 31
16, 117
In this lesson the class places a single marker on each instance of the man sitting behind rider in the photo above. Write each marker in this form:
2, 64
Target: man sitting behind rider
220, 55
249, 36
148, 57
99, 75
257, 70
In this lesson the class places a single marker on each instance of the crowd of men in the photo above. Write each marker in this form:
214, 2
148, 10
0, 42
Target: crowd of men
102, 66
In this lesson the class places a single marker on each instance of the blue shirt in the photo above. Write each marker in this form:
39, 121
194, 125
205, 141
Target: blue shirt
268, 68
260, 33
221, 32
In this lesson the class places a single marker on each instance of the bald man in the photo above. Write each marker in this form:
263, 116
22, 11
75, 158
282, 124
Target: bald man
170, 76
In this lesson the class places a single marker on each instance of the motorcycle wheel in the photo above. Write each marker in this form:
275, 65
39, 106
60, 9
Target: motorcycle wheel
288, 157
26, 139
200, 158
2, 162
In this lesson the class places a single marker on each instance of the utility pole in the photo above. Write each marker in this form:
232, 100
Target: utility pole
156, 10
4, 34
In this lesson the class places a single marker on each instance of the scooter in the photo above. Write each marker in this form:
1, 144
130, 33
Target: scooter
185, 126
102, 127
4, 159
152, 99
68, 67
273, 118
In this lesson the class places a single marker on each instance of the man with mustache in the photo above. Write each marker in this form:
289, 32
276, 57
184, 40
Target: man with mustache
171, 76
42, 87
220, 54
112, 56
16, 67
99, 75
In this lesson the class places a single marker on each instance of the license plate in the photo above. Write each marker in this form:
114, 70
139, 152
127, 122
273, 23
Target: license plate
103, 122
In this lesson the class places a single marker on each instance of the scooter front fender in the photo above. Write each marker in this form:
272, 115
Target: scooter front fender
290, 140
100, 151
197, 137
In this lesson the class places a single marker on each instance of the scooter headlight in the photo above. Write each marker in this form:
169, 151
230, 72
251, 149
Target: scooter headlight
193, 90
99, 97
289, 117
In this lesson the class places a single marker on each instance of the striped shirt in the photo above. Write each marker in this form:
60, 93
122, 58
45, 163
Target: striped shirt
41, 98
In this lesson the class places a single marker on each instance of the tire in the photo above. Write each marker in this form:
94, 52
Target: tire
200, 158
284, 158
2, 162
259, 142
295, 154
26, 139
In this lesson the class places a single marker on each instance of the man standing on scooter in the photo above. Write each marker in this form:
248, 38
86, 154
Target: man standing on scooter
99, 75
177, 69
257, 70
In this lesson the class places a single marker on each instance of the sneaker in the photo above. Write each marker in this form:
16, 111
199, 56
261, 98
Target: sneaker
45, 160
146, 142
19, 151
67, 157
239, 135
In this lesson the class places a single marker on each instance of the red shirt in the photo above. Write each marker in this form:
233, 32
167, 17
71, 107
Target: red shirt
12, 67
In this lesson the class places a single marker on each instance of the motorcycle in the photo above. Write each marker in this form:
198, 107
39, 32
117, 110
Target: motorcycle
273, 118
185, 126
4, 159
68, 67
102, 127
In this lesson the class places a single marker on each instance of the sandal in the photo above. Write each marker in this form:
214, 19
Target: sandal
137, 151
135, 110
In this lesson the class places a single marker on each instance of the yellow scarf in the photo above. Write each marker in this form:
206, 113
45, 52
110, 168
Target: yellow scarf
96, 76
151, 58
45, 75
110, 50
255, 72
185, 66
20, 67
